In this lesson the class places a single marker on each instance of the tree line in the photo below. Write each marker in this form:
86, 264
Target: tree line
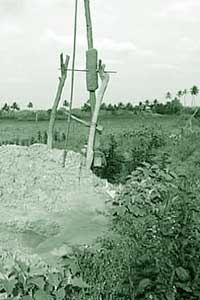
173, 105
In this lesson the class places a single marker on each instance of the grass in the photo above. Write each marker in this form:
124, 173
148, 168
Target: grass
154, 251
12, 130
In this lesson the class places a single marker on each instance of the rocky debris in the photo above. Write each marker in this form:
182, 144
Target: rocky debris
34, 177
37, 193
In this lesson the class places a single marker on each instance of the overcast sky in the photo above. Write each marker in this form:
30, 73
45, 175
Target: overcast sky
153, 45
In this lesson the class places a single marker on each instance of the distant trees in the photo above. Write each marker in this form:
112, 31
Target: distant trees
15, 106
185, 92
111, 107
129, 106
30, 105
103, 106
168, 96
65, 103
194, 92
86, 106
12, 107
6, 107
120, 106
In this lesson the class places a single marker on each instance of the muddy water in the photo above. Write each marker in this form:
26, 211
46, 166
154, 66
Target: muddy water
76, 227
27, 240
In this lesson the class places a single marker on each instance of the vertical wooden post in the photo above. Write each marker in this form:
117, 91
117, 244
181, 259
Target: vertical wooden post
91, 140
62, 79
90, 44
72, 83
92, 98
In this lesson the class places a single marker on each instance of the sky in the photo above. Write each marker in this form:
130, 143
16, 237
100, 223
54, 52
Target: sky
153, 45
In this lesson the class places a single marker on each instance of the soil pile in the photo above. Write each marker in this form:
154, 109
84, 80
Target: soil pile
40, 200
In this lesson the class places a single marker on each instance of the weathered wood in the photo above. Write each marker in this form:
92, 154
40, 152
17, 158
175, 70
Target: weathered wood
88, 24
62, 79
99, 128
91, 140
91, 66
72, 84
90, 44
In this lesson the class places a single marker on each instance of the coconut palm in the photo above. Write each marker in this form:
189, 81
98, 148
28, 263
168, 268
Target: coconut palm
155, 102
121, 106
194, 92
30, 105
185, 92
65, 103
179, 94
6, 107
129, 106
168, 95
15, 106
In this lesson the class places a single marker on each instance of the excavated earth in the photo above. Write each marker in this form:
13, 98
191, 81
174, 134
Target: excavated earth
44, 206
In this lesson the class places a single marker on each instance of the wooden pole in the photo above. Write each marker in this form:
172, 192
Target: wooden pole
99, 128
62, 80
92, 97
91, 140
72, 82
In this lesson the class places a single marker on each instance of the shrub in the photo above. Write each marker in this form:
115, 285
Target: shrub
27, 278
155, 249
126, 151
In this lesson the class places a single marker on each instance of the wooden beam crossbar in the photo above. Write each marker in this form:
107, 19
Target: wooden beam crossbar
99, 128
84, 70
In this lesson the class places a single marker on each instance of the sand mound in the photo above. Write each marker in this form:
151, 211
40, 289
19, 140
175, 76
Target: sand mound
40, 197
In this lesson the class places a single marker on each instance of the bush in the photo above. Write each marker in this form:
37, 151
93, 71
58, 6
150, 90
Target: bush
126, 151
155, 249
29, 278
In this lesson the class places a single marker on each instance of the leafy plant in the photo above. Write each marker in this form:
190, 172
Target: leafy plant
126, 151
27, 278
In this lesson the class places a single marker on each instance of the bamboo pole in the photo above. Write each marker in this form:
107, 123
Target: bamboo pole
72, 83
62, 79
91, 140
92, 97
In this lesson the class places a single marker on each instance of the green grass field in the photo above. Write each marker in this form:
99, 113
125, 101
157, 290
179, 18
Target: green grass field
12, 130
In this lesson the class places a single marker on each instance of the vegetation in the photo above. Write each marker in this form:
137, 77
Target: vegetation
153, 249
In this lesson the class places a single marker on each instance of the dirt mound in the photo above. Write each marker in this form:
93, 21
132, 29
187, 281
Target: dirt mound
42, 200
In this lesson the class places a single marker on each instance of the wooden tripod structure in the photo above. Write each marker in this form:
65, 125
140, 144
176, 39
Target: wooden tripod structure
93, 70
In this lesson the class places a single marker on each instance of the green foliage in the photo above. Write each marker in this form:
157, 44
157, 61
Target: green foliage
126, 151
154, 252
171, 107
27, 278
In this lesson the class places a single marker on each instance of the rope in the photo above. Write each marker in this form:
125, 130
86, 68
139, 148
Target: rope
72, 82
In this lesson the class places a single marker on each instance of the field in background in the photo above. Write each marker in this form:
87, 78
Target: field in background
21, 132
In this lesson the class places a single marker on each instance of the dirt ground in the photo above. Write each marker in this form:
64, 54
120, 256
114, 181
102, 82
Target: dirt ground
43, 205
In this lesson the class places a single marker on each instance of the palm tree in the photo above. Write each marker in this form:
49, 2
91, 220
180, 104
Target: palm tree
109, 107
15, 106
194, 92
65, 103
103, 106
184, 94
129, 106
155, 102
121, 106
168, 95
179, 94
30, 105
140, 106
6, 107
